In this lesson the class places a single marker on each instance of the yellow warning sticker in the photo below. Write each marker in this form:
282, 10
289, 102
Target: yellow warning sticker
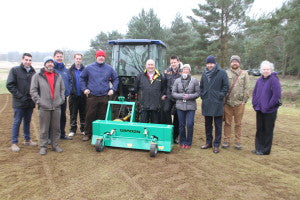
161, 147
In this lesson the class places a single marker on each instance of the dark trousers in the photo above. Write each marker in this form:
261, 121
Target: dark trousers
149, 116
19, 115
77, 104
95, 109
168, 107
186, 121
209, 128
265, 123
63, 119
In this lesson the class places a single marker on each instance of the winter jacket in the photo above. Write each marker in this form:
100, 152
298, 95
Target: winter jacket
40, 91
193, 91
150, 91
66, 76
97, 77
75, 80
213, 92
240, 92
170, 77
266, 94
18, 84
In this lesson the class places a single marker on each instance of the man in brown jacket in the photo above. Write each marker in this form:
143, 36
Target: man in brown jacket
47, 91
235, 100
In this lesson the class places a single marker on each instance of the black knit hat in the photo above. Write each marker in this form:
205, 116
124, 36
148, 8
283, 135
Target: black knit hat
210, 59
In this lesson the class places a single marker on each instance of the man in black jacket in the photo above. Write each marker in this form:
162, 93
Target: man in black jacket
18, 84
150, 86
171, 74
77, 100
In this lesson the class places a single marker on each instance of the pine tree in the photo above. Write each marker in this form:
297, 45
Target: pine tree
218, 20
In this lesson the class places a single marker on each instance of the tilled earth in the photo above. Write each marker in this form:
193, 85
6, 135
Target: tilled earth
82, 173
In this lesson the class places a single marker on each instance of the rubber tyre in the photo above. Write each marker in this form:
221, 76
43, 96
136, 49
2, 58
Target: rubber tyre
153, 150
99, 145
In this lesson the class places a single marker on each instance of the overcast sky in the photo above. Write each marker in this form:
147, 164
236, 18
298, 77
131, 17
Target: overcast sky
46, 25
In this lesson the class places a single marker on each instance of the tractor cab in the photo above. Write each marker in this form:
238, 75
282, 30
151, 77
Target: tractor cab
129, 58
121, 127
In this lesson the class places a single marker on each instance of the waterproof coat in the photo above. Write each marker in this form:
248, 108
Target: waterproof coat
193, 91
240, 92
97, 78
266, 94
150, 91
18, 84
213, 92
40, 91
66, 76
75, 81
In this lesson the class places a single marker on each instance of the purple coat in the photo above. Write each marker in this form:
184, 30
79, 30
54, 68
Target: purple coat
266, 94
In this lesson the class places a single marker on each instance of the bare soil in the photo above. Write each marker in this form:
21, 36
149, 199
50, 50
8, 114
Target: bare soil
82, 173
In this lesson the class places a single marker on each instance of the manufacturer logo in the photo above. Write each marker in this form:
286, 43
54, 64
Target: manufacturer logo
130, 131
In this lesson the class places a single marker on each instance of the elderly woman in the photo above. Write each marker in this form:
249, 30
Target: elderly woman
265, 100
186, 90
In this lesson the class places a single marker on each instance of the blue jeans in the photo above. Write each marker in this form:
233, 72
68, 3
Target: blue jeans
186, 120
19, 115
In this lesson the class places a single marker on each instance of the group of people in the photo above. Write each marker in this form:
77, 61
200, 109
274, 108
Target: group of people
168, 98
224, 95
86, 88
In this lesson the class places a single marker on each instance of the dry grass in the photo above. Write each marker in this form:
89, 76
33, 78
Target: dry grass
81, 173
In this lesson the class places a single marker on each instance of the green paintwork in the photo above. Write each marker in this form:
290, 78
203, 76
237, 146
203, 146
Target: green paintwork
131, 134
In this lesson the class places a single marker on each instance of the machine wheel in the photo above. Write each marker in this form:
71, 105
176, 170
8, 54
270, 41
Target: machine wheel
99, 145
153, 150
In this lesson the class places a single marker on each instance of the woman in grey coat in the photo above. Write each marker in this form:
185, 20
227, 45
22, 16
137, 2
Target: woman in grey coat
186, 90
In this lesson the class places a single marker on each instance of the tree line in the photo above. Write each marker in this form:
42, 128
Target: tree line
220, 28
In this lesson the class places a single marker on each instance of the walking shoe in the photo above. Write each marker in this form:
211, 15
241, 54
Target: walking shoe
225, 145
238, 146
182, 146
253, 151
206, 146
57, 149
82, 133
86, 138
15, 148
216, 150
30, 143
259, 153
66, 138
176, 141
43, 151
71, 134
187, 147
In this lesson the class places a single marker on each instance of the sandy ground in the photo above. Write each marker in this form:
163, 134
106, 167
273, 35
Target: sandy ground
82, 173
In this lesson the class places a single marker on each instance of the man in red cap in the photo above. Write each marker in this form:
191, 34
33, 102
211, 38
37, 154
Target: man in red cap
94, 82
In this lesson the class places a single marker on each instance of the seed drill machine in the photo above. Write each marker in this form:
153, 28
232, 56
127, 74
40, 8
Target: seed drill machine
121, 127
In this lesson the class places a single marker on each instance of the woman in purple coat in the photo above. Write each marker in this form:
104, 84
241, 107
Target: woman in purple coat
265, 100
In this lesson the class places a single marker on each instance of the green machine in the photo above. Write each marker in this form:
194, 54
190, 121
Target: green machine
130, 134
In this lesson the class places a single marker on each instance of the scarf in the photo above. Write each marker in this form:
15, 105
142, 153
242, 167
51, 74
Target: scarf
209, 73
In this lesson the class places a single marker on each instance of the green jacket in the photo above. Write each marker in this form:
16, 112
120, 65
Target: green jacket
240, 92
